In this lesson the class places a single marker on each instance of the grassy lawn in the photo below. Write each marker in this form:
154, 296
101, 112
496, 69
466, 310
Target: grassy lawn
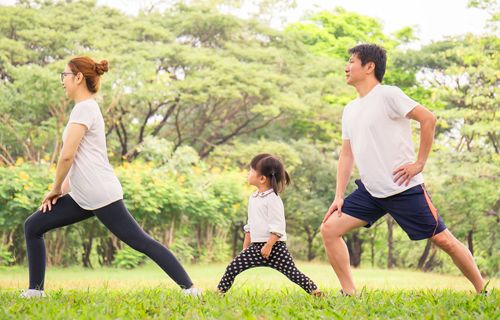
261, 293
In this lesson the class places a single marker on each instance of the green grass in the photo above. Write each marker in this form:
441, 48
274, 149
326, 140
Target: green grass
261, 293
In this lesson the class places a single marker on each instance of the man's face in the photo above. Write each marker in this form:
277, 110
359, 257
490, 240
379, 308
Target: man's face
354, 71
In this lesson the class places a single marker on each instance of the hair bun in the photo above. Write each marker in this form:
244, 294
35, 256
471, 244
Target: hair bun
101, 67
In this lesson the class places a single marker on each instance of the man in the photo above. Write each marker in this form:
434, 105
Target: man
376, 135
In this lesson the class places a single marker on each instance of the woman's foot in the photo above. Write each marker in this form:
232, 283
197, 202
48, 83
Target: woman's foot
32, 293
193, 292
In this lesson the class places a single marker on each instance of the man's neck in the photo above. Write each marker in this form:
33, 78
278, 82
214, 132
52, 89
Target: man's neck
366, 86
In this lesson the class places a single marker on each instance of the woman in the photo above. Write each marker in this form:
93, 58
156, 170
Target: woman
86, 186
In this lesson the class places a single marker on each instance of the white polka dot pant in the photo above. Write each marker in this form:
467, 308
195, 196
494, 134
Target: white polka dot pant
280, 259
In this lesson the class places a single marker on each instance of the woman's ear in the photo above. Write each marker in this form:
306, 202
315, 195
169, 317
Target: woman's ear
79, 78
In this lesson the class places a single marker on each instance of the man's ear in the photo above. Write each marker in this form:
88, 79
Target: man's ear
370, 67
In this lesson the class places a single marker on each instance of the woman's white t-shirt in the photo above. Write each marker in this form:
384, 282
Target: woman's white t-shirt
380, 138
92, 180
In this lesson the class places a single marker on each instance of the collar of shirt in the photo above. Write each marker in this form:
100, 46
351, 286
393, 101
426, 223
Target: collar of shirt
262, 194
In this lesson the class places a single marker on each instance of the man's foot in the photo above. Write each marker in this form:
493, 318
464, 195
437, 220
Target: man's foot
484, 293
344, 294
317, 293
193, 292
32, 293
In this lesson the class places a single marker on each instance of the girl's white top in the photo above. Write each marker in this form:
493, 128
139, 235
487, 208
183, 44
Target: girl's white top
266, 215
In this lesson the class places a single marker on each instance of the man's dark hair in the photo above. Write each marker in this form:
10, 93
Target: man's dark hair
371, 53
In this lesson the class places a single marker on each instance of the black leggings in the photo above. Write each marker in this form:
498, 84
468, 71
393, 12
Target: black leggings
115, 217
279, 259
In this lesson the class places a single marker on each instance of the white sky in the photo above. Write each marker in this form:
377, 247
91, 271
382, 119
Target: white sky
434, 19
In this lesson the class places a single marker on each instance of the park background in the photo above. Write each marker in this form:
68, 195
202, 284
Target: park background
196, 88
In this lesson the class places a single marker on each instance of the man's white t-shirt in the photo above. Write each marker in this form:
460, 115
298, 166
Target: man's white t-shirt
380, 137
266, 215
92, 180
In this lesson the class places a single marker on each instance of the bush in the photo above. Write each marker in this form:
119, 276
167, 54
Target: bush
6, 257
128, 258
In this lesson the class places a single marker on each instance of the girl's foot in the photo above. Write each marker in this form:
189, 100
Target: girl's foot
219, 292
32, 293
193, 291
317, 293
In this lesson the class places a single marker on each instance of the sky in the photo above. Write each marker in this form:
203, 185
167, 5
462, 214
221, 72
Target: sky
434, 19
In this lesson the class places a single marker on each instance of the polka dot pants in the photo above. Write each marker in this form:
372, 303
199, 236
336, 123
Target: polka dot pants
279, 259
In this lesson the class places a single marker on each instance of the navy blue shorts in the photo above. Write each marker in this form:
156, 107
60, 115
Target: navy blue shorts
412, 209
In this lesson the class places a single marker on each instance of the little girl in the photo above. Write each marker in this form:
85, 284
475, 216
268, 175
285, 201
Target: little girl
265, 235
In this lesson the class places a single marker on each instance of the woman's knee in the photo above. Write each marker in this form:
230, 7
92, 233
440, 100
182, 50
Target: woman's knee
31, 227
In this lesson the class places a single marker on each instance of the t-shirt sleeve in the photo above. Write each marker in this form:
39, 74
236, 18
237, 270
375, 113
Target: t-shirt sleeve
82, 114
345, 134
276, 215
398, 104
246, 227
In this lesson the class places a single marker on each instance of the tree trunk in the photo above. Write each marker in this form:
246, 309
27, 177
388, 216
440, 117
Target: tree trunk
425, 254
354, 245
87, 249
199, 240
168, 236
56, 244
431, 263
469, 241
208, 241
372, 248
237, 231
390, 247
310, 253
106, 250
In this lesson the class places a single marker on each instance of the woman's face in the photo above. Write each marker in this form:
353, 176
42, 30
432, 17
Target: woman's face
69, 82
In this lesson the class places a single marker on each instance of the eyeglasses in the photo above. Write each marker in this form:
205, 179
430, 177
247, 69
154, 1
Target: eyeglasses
64, 74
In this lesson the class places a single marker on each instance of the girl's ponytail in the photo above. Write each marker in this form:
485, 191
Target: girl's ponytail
272, 168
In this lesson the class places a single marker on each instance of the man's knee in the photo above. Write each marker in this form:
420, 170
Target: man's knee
330, 230
446, 241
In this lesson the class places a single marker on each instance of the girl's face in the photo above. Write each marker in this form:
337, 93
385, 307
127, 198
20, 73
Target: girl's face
255, 178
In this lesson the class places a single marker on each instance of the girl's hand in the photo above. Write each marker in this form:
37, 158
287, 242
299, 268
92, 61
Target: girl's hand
50, 199
266, 251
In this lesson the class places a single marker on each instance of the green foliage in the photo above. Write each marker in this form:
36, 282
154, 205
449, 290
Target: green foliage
6, 257
128, 258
